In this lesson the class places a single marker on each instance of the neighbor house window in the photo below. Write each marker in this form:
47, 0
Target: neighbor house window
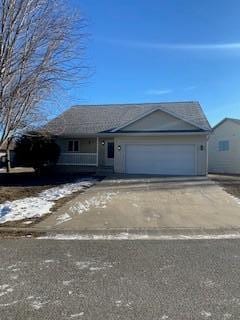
223, 145
73, 146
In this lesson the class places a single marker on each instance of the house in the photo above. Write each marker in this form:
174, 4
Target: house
148, 138
3, 153
224, 147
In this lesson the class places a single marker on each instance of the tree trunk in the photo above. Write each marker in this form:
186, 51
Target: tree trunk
8, 160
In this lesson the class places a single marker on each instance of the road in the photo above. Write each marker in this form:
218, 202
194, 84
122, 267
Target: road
101, 280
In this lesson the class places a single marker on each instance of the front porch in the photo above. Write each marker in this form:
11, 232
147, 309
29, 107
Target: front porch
78, 159
91, 153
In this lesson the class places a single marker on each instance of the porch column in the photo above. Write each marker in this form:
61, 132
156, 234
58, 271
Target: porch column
97, 151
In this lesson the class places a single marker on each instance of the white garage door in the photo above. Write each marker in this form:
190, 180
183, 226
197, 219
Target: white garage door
160, 159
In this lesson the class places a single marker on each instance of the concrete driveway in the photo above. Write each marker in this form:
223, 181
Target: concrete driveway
199, 204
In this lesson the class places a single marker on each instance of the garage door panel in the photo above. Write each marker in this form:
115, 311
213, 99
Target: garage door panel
160, 159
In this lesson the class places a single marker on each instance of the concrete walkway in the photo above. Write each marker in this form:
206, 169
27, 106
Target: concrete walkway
199, 204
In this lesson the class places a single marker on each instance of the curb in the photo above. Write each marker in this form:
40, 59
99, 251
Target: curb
137, 233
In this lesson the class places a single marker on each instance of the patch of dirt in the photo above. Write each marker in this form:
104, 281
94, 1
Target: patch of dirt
14, 193
230, 184
232, 189
20, 185
12, 234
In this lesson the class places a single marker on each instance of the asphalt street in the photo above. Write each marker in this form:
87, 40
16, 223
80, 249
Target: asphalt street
182, 279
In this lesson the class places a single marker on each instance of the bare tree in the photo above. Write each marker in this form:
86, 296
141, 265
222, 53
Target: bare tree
38, 42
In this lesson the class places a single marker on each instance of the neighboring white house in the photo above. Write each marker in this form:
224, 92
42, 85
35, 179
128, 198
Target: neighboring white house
148, 138
224, 147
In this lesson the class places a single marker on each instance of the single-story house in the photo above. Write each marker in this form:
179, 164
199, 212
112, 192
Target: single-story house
224, 147
147, 138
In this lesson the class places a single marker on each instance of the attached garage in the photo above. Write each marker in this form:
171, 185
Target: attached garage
163, 159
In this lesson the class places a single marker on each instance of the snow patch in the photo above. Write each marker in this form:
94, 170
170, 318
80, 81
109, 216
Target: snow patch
235, 198
93, 265
132, 236
99, 201
83, 264
67, 189
35, 207
206, 314
28, 222
209, 283
49, 261
63, 218
67, 282
5, 289
76, 315
8, 304
37, 304
135, 205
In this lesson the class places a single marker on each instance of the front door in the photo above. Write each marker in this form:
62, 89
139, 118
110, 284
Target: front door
109, 153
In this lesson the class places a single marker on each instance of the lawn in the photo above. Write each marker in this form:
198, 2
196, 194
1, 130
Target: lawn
26, 194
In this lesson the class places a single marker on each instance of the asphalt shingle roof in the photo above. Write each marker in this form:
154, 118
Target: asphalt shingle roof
237, 121
93, 119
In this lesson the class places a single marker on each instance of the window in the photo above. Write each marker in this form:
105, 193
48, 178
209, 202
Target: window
73, 146
223, 145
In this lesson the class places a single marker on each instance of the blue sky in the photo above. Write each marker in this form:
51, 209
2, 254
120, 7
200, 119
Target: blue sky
162, 50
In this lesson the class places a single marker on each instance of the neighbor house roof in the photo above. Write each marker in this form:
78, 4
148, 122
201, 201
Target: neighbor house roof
93, 119
237, 121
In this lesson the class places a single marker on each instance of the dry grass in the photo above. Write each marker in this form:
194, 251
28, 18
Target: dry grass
14, 193
230, 183
20, 185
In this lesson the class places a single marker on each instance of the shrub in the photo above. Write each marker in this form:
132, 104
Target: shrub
37, 151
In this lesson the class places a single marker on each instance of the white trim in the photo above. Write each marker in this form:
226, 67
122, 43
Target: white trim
196, 159
97, 156
79, 153
76, 164
150, 112
156, 143
153, 134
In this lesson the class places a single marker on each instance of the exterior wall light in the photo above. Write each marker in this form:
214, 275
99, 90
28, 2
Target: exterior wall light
201, 147
119, 148
103, 143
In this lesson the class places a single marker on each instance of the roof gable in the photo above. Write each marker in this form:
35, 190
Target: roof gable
157, 120
236, 121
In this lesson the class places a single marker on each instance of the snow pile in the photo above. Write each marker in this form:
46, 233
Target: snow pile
64, 190
24, 209
34, 207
